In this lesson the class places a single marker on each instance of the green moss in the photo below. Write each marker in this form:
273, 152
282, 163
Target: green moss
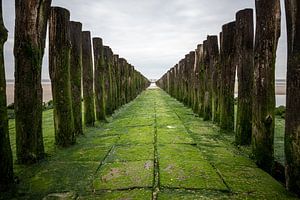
121, 175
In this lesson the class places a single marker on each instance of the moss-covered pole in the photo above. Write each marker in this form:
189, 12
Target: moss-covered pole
207, 104
87, 79
213, 52
228, 70
6, 161
30, 35
292, 123
117, 78
59, 67
76, 73
107, 55
263, 121
99, 80
200, 53
196, 82
122, 65
244, 60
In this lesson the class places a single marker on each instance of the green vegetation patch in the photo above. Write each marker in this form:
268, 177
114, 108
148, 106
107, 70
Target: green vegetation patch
138, 135
178, 194
122, 175
87, 153
243, 179
179, 153
189, 174
173, 135
131, 153
142, 194
55, 177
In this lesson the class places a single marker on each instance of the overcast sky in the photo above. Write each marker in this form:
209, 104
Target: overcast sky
153, 35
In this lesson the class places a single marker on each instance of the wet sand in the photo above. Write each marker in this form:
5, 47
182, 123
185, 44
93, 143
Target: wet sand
47, 95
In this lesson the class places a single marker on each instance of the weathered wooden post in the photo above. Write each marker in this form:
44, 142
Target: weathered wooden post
228, 70
201, 92
59, 68
87, 79
107, 54
196, 71
6, 161
99, 81
30, 35
266, 40
292, 117
207, 104
244, 60
76, 73
117, 78
213, 52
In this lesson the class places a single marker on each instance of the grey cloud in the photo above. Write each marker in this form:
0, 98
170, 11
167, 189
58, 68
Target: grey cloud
152, 35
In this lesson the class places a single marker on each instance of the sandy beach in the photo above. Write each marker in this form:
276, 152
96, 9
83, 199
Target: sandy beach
280, 90
47, 95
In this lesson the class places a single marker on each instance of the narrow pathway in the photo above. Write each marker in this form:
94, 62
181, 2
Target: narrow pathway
153, 148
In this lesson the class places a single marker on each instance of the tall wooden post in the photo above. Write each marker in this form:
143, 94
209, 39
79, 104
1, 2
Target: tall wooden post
263, 121
6, 162
117, 79
228, 69
99, 81
213, 52
59, 67
207, 104
292, 123
244, 60
30, 34
76, 73
201, 93
87, 79
108, 60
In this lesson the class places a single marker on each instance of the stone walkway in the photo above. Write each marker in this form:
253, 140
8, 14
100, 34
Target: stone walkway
153, 148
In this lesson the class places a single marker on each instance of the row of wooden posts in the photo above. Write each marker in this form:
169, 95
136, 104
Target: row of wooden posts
205, 81
107, 83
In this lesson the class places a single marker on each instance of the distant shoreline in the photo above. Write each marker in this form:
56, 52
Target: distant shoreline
47, 94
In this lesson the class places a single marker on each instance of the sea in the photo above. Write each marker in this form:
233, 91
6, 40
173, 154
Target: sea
47, 95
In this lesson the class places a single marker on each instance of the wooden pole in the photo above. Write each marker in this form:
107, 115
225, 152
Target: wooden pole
6, 160
228, 70
244, 60
87, 79
30, 35
213, 52
263, 119
76, 73
292, 123
207, 104
99, 81
59, 67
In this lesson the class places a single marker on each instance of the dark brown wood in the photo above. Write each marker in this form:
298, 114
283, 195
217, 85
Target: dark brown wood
76, 74
99, 80
266, 39
108, 61
292, 117
228, 70
88, 79
30, 35
207, 104
59, 68
213, 53
244, 61
6, 161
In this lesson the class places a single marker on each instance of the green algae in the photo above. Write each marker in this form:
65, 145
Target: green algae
122, 175
115, 160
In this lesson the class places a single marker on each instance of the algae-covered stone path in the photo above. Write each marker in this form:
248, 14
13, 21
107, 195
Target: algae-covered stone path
153, 148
